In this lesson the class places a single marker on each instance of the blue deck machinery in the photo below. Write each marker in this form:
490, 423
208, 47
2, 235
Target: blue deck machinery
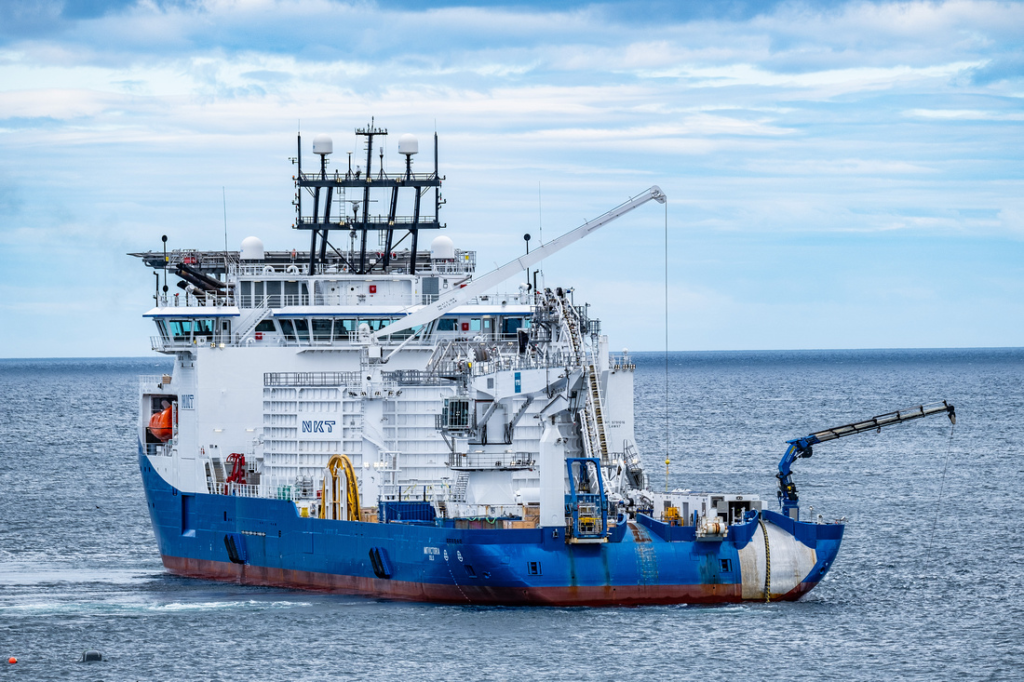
586, 503
800, 448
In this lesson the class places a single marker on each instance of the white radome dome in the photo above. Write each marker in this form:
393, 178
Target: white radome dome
442, 248
322, 144
408, 144
252, 249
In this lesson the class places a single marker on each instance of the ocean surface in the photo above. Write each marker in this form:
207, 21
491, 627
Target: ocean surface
929, 583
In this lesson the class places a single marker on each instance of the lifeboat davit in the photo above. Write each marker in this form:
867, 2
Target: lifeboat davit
160, 425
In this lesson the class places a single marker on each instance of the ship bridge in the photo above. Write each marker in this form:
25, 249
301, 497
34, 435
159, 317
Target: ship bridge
266, 298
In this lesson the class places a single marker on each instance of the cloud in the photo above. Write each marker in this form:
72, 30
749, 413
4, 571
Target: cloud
770, 125
966, 115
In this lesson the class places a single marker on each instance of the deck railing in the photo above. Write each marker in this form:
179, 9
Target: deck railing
311, 378
478, 461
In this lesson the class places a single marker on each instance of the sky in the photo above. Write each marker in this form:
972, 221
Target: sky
839, 174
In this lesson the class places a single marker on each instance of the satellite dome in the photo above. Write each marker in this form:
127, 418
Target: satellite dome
252, 249
442, 248
323, 145
408, 144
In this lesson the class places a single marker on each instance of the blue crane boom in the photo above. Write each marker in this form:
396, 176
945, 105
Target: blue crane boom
800, 448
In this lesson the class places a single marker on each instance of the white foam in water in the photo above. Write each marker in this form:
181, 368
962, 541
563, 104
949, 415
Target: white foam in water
21, 573
205, 606
134, 607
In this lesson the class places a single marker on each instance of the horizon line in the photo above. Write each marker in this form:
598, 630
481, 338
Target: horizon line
652, 352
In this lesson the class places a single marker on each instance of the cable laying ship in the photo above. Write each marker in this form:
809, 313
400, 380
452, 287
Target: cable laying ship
377, 421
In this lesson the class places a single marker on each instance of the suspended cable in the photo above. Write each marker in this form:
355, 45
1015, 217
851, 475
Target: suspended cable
667, 459
942, 486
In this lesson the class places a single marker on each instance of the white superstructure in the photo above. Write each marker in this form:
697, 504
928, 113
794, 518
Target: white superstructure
436, 387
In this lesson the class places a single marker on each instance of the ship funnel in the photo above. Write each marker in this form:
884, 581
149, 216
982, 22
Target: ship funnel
408, 145
323, 145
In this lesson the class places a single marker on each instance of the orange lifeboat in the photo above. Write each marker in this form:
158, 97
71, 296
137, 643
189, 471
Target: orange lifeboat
160, 425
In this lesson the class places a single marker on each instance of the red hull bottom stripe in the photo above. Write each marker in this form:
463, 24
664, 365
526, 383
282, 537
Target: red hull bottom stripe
618, 595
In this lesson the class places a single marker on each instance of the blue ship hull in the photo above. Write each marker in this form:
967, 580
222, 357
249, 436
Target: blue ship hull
262, 541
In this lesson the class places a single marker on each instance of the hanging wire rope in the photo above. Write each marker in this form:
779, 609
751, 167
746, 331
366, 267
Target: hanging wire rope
942, 487
667, 459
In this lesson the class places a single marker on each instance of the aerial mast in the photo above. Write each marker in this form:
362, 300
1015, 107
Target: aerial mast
321, 223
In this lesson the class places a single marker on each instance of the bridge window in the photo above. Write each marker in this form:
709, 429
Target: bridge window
182, 330
273, 294
447, 324
375, 324
266, 326
288, 329
322, 329
291, 293
510, 325
302, 330
343, 328
474, 324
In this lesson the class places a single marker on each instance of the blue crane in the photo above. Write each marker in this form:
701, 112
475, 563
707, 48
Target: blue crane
800, 448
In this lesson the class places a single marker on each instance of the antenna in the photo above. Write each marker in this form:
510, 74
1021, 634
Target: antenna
526, 238
164, 240
540, 231
540, 214
224, 196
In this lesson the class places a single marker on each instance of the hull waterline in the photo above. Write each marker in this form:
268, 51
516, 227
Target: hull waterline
431, 563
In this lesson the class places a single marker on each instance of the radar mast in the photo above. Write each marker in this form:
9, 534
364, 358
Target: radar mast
321, 222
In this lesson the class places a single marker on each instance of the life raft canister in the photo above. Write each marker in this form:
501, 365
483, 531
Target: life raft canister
160, 425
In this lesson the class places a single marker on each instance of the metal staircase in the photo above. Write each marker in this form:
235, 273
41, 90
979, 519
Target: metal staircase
595, 444
461, 483
218, 475
439, 356
259, 314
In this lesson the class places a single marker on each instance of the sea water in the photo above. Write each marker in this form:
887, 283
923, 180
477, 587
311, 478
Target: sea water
929, 582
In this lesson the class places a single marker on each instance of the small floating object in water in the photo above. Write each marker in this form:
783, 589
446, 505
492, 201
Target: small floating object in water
90, 656
12, 660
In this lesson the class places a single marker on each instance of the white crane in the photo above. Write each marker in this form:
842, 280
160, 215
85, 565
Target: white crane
495, 277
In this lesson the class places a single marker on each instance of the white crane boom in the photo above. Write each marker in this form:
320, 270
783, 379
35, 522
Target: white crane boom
496, 277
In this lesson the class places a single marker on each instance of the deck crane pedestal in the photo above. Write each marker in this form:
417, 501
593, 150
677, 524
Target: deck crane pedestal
801, 447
